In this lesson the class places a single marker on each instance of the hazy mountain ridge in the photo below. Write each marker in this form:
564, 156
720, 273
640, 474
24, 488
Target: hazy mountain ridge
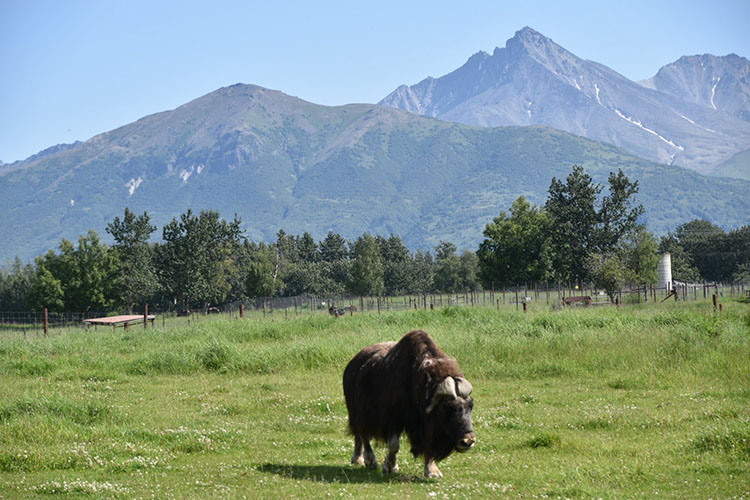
721, 83
532, 80
281, 162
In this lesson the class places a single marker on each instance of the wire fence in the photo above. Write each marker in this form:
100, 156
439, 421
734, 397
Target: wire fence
521, 298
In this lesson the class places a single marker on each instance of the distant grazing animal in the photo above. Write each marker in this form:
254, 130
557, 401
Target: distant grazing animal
409, 386
333, 311
341, 311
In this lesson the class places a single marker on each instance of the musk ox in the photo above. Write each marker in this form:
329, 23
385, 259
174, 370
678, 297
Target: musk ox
413, 386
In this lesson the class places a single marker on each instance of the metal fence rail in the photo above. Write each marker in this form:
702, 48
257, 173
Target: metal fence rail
32, 323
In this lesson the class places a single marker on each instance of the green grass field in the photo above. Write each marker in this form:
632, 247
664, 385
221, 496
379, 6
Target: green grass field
651, 401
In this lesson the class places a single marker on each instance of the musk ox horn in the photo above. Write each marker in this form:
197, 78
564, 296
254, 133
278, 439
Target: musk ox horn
446, 388
463, 387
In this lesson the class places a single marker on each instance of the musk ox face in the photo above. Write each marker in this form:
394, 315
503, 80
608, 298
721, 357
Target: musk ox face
451, 408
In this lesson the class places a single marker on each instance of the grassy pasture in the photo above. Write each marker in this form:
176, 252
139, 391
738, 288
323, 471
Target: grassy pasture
648, 402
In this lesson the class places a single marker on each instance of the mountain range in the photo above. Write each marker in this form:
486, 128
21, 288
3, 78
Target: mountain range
280, 162
693, 113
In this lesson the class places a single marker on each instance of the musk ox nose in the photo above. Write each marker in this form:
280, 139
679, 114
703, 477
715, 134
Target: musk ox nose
467, 441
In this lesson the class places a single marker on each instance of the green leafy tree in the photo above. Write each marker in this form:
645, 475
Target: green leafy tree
447, 276
421, 273
582, 225
288, 247
46, 291
469, 271
571, 207
517, 247
307, 249
395, 258
336, 275
333, 248
704, 243
197, 257
15, 285
367, 267
618, 214
307, 277
86, 274
263, 277
136, 276
640, 256
607, 272
737, 248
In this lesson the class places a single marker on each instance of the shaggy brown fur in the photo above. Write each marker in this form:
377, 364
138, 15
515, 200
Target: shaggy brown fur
388, 388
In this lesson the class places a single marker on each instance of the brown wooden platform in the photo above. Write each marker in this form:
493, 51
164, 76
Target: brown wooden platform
115, 321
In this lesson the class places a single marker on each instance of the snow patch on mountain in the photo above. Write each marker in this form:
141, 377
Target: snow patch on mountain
185, 174
713, 92
639, 124
691, 121
132, 185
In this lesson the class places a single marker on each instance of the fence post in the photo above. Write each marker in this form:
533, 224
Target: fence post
46, 323
715, 301
145, 317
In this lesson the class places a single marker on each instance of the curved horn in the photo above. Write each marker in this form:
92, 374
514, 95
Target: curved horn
446, 388
463, 387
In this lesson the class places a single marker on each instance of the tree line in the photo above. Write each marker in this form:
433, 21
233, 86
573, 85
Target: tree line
580, 235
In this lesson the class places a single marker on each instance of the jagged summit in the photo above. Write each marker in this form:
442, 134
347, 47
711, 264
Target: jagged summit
721, 83
534, 81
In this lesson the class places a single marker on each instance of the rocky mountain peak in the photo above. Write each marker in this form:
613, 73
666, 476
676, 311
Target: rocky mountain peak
535, 81
721, 83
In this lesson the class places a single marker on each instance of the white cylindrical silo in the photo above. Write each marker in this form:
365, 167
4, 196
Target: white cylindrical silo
664, 270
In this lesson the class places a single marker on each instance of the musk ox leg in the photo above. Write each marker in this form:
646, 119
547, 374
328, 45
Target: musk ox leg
430, 469
368, 457
370, 461
390, 463
357, 458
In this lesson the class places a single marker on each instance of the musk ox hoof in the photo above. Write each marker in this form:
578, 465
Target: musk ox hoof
431, 471
370, 461
388, 469
358, 460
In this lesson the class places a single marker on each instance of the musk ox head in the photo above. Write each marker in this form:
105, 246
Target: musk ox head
451, 407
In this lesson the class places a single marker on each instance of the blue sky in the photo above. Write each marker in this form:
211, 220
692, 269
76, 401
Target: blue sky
72, 69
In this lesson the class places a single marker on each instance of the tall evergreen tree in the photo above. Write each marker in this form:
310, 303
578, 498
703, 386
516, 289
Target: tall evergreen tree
571, 206
582, 226
395, 258
367, 267
421, 273
469, 272
704, 242
197, 257
136, 275
307, 249
618, 214
333, 248
15, 285
447, 278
